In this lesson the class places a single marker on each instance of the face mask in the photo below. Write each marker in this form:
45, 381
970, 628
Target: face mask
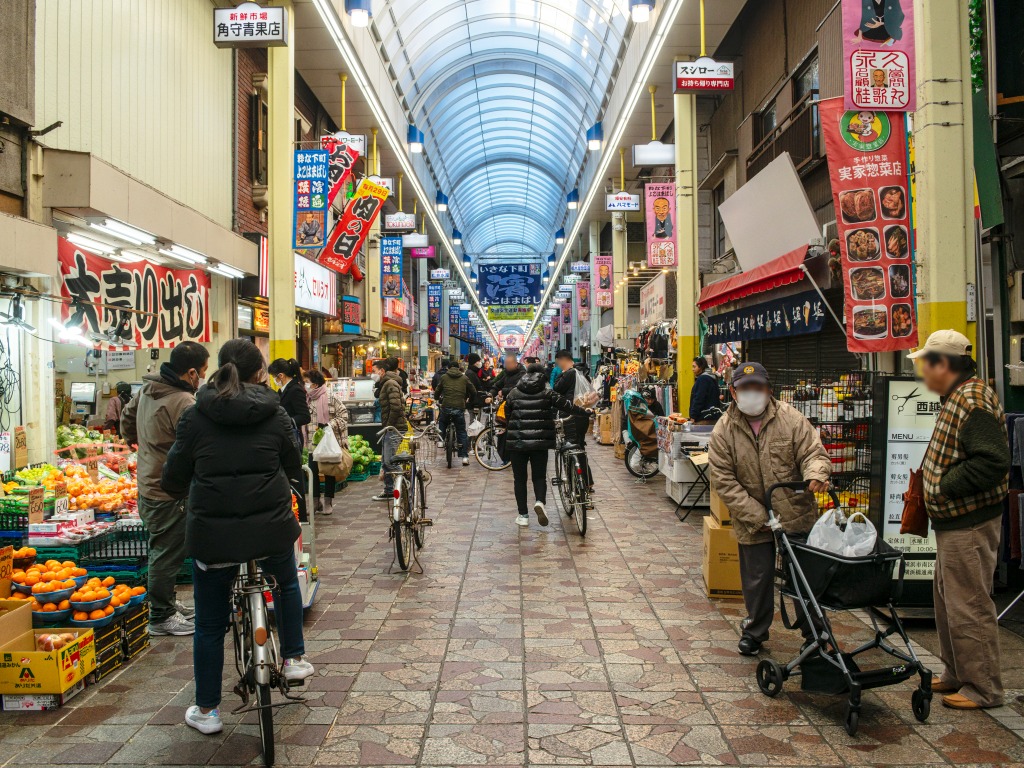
375, 377
751, 403
308, 386
279, 382
478, 364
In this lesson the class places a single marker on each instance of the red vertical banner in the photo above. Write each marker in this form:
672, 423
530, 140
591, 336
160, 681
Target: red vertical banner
867, 160
350, 232
339, 167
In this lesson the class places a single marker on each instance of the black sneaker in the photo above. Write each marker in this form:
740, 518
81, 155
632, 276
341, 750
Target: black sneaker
749, 646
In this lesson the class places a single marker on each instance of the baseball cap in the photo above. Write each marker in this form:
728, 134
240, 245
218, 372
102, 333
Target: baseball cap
948, 342
750, 373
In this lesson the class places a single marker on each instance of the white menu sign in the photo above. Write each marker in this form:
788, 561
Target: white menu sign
910, 421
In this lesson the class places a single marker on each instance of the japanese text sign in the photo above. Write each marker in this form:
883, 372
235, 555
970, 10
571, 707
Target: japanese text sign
509, 284
250, 26
878, 55
867, 160
777, 319
453, 321
352, 228
704, 74
661, 216
351, 314
434, 304
583, 301
176, 301
652, 300
391, 267
601, 279
422, 253
311, 177
342, 157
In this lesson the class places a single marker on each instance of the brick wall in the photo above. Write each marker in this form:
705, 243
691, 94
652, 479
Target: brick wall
249, 62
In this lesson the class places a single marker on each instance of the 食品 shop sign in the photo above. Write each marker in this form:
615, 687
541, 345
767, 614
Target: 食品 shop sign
250, 26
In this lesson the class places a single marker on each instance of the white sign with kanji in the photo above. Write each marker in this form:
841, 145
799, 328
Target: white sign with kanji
250, 26
705, 74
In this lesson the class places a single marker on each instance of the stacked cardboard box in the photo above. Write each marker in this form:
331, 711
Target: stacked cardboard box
719, 511
721, 566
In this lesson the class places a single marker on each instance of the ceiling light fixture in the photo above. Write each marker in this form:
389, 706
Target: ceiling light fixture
182, 253
227, 271
89, 244
456, 237
559, 240
441, 201
414, 138
572, 200
640, 10
359, 12
595, 137
122, 231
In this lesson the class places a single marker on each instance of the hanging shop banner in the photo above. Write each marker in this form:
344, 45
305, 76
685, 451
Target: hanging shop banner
454, 329
555, 326
578, 267
602, 278
434, 303
350, 232
622, 201
342, 158
399, 222
521, 314
652, 300
567, 316
661, 216
464, 324
178, 300
867, 160
316, 287
878, 55
400, 312
351, 314
391, 267
311, 176
777, 319
250, 26
440, 274
704, 74
583, 302
509, 284
422, 253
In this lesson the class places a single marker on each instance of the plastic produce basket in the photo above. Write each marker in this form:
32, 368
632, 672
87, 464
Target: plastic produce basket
373, 468
357, 477
127, 542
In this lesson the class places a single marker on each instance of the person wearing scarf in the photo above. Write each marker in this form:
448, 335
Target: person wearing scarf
325, 410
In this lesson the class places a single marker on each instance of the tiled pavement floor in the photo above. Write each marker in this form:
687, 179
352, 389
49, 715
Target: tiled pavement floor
518, 646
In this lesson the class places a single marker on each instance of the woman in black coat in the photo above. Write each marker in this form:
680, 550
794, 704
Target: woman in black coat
235, 457
288, 377
530, 410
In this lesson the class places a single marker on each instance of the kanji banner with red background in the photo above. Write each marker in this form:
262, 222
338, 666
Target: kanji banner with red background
867, 160
339, 165
178, 299
350, 232
878, 55
602, 279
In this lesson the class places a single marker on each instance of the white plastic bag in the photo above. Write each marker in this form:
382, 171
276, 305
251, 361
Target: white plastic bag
328, 450
859, 536
827, 533
475, 428
584, 395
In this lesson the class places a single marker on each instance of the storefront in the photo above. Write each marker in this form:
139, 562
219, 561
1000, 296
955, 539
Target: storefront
399, 316
343, 350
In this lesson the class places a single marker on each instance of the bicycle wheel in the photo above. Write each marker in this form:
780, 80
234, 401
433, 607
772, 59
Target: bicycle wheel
581, 498
449, 444
639, 465
399, 531
266, 719
485, 448
420, 531
562, 483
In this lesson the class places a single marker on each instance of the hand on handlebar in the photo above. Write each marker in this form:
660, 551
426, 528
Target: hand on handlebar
817, 486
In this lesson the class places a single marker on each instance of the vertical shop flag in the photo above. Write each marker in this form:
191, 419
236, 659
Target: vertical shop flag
434, 303
350, 232
878, 55
310, 216
661, 224
391, 267
567, 316
867, 160
342, 158
583, 301
602, 278
555, 327
453, 321
464, 324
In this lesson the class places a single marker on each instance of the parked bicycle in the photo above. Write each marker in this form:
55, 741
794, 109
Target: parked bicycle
487, 444
408, 522
572, 477
638, 465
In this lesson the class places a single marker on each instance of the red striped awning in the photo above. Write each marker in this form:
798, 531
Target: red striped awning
773, 274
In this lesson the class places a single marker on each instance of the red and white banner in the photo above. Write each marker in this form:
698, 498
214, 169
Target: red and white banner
176, 301
878, 55
339, 166
867, 160
661, 224
350, 232
602, 279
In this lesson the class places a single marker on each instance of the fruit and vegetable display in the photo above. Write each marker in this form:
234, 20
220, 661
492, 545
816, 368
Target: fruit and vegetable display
54, 642
63, 589
108, 493
362, 453
79, 436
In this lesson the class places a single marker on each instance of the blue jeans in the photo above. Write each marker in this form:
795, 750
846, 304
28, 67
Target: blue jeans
212, 590
458, 417
389, 448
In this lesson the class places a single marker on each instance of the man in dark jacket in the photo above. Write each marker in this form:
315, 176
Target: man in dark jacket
392, 414
441, 371
455, 391
704, 394
150, 420
565, 385
530, 409
506, 381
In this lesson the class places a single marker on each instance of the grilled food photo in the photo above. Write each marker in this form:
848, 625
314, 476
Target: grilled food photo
858, 205
896, 242
862, 245
869, 323
902, 322
867, 283
894, 203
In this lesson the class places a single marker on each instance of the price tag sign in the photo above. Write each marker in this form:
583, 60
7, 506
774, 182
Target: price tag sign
60, 499
35, 505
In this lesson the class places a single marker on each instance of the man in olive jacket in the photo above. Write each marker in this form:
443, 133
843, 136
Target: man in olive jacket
760, 442
392, 414
453, 393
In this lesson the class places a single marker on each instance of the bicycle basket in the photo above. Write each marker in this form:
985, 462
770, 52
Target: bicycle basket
846, 583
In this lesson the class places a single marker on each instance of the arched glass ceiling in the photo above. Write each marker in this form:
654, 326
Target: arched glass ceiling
504, 91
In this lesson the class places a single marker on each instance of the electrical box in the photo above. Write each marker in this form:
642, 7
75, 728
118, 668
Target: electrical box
1016, 361
1016, 297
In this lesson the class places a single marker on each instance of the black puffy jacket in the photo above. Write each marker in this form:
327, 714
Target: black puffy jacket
530, 409
293, 400
506, 381
234, 457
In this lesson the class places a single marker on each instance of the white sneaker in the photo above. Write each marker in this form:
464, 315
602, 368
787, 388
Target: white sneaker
177, 625
185, 611
523, 520
465, 461
542, 514
208, 723
382, 497
296, 670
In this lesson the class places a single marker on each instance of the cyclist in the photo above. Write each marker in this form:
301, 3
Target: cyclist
510, 375
566, 385
392, 414
454, 393
236, 458
530, 410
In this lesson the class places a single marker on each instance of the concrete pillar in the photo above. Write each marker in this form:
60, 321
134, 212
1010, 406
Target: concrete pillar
422, 340
620, 262
281, 153
943, 140
595, 311
686, 243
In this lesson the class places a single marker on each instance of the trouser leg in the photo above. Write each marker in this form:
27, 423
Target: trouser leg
539, 472
213, 611
165, 522
520, 461
288, 603
969, 643
460, 432
757, 576
387, 460
314, 468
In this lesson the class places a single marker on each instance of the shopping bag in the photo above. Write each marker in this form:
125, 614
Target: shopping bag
584, 396
859, 536
475, 428
827, 533
329, 450
499, 415
915, 516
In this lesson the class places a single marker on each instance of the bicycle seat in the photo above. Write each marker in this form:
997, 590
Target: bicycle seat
403, 457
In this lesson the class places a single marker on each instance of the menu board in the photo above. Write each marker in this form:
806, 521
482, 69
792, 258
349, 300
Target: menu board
867, 160
909, 421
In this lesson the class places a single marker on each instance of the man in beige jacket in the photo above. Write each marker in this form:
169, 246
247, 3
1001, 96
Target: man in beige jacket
760, 442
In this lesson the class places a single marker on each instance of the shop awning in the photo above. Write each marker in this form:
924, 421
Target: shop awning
773, 274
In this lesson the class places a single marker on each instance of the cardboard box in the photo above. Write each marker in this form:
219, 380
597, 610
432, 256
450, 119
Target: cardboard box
620, 451
721, 566
41, 702
24, 670
719, 510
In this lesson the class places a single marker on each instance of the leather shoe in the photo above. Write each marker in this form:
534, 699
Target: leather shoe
958, 701
749, 646
940, 687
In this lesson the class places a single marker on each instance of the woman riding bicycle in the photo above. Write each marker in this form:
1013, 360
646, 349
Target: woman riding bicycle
236, 458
